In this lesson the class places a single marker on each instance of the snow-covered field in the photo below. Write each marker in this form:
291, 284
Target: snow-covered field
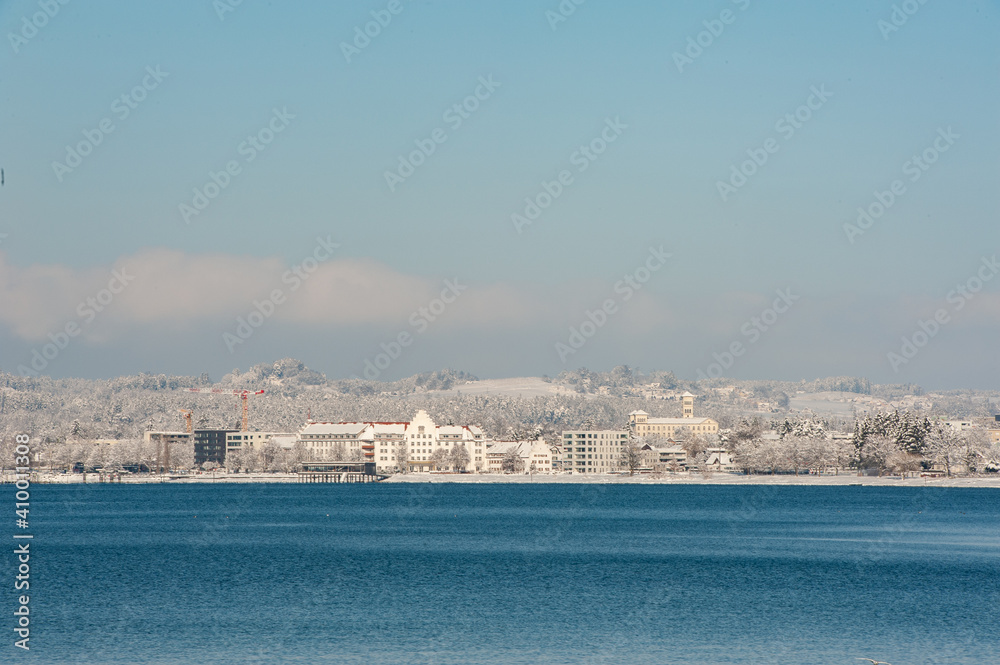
522, 386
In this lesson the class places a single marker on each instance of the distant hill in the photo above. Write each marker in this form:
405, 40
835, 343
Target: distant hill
125, 406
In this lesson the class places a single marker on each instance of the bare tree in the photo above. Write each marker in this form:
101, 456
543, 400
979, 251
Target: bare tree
795, 451
842, 453
182, 455
401, 457
878, 451
512, 462
94, 457
440, 458
944, 446
631, 456
269, 453
976, 449
901, 461
694, 444
300, 454
459, 457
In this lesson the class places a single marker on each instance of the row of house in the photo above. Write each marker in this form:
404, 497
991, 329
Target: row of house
423, 445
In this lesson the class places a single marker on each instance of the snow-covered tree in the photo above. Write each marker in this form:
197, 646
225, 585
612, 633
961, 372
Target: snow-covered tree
512, 462
440, 458
631, 456
944, 447
459, 457
400, 456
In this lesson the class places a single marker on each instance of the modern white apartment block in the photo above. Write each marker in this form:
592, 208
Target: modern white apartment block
238, 440
592, 451
392, 444
667, 428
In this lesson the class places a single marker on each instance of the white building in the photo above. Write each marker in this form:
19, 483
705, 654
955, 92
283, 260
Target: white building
592, 451
960, 425
536, 456
719, 460
391, 444
664, 458
667, 428
235, 441
340, 442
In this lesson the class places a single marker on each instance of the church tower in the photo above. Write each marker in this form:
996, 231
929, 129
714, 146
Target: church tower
687, 404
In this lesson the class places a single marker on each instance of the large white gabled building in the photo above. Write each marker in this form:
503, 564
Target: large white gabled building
392, 444
645, 426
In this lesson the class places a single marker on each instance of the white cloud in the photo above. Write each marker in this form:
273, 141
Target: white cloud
172, 290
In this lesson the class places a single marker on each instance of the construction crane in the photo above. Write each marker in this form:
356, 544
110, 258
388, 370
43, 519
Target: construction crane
244, 394
187, 420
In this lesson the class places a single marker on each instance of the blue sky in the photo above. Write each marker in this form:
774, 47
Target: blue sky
655, 185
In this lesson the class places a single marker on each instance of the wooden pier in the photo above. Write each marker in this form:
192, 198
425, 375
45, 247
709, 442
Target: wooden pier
339, 472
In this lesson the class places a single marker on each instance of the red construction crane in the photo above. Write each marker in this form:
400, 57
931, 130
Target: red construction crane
244, 394
187, 420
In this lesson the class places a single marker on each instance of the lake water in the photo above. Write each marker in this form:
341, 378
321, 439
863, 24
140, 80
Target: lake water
528, 573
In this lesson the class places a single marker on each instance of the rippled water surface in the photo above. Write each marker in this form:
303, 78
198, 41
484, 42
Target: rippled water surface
493, 573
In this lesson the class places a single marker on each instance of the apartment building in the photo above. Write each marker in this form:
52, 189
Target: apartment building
592, 451
210, 446
670, 457
235, 440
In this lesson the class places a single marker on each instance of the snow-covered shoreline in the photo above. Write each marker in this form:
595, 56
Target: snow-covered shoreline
146, 479
611, 479
702, 479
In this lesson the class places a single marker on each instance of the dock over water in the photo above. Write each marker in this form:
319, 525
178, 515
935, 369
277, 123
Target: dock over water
340, 472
